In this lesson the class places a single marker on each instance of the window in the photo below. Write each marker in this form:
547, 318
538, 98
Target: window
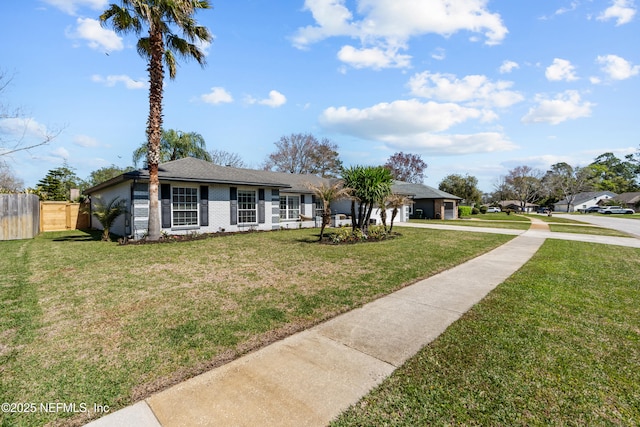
289, 207
247, 207
185, 206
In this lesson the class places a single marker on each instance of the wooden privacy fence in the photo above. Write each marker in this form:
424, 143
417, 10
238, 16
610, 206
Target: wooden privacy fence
19, 216
59, 216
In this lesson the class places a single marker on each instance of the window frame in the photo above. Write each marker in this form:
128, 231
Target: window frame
253, 212
289, 211
190, 206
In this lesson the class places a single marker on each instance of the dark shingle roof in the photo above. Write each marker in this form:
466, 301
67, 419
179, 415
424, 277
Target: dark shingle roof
583, 197
421, 191
195, 170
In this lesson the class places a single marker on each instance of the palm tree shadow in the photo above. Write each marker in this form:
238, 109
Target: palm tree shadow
87, 236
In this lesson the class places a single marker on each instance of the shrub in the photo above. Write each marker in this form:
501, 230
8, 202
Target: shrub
464, 211
483, 209
475, 211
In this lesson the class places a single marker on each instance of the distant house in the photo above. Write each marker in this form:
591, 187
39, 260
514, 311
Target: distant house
630, 200
199, 196
428, 202
583, 201
516, 205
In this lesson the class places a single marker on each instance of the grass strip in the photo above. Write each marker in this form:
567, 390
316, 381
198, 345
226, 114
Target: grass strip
599, 231
557, 344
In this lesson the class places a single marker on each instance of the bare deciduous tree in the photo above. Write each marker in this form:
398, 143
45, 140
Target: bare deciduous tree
525, 184
225, 158
304, 154
20, 134
406, 167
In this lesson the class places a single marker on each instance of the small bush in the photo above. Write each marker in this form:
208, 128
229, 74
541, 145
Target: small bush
464, 211
345, 235
483, 209
475, 211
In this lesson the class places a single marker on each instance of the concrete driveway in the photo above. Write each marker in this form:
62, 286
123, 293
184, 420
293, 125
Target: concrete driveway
617, 222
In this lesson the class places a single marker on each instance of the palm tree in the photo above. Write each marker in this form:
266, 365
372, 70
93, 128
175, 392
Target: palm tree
175, 145
159, 48
396, 202
107, 213
328, 193
369, 186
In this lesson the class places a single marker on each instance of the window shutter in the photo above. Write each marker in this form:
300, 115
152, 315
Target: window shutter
314, 205
165, 205
261, 216
302, 204
233, 197
204, 205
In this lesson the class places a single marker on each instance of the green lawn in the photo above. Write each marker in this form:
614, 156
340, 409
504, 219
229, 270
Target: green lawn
567, 228
491, 220
557, 344
85, 321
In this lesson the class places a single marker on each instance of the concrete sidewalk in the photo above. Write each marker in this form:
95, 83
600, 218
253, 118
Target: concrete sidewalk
311, 377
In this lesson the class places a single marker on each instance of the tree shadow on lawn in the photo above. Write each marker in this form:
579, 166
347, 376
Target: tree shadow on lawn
81, 236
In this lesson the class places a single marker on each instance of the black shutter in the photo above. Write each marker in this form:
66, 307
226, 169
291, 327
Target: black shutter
204, 205
261, 216
302, 204
314, 205
233, 197
165, 205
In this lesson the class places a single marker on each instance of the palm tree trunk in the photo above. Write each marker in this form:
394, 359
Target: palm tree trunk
154, 129
393, 216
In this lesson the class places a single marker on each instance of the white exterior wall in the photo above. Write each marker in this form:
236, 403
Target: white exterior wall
219, 209
344, 207
123, 192
582, 205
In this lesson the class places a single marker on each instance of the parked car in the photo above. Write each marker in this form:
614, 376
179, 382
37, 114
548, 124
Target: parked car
493, 209
543, 210
615, 210
592, 209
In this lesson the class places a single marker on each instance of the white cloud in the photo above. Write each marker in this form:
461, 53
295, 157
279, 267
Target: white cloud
618, 68
508, 66
574, 5
438, 144
60, 152
398, 117
565, 106
218, 95
276, 99
86, 141
473, 90
71, 6
385, 26
111, 81
415, 125
561, 69
97, 37
439, 54
19, 128
622, 11
375, 58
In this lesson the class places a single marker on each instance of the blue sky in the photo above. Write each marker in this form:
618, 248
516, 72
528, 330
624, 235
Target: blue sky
477, 87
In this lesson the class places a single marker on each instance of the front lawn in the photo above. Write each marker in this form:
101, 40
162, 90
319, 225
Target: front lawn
89, 322
557, 344
489, 220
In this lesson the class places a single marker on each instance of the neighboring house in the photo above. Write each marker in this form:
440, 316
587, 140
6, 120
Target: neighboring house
428, 202
516, 205
199, 196
583, 201
630, 200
